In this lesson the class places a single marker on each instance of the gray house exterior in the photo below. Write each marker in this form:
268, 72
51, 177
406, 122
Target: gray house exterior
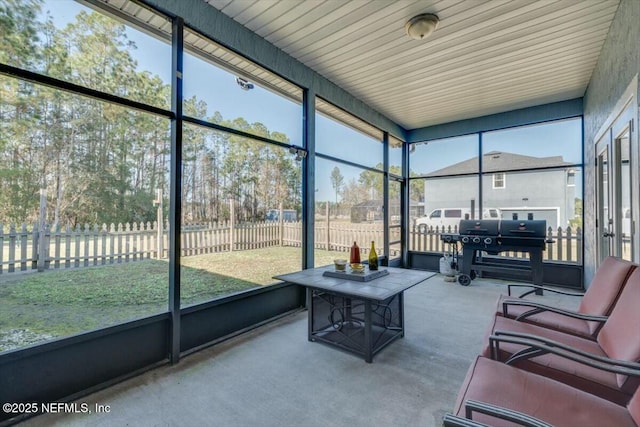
547, 194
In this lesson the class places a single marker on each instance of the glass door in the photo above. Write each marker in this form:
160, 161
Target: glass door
616, 164
604, 220
623, 212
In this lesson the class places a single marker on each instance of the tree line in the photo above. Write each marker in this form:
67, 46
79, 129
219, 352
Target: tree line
369, 186
102, 163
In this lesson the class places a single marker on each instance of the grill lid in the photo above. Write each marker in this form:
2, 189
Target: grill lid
474, 227
523, 229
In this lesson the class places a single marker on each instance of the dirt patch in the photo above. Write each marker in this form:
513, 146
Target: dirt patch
17, 338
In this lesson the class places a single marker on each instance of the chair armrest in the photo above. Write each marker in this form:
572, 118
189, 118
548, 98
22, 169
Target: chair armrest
450, 420
502, 413
539, 308
538, 346
543, 288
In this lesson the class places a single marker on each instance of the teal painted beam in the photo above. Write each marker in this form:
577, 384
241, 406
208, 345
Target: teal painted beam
524, 116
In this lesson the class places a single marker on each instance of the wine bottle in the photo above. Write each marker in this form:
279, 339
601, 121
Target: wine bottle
373, 258
355, 254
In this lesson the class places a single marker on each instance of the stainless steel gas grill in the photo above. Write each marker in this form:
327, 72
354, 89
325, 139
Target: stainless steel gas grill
479, 233
496, 236
527, 234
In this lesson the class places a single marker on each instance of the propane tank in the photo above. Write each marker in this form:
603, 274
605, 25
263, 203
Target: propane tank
445, 266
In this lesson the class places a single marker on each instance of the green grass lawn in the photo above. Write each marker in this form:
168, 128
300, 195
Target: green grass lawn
38, 306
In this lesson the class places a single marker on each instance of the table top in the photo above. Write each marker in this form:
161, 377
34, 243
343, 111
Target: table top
382, 288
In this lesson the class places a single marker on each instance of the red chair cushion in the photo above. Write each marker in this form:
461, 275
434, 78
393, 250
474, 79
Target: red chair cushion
634, 407
620, 335
549, 319
543, 398
599, 299
583, 377
605, 289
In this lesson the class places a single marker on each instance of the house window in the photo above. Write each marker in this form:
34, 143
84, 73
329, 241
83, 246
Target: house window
571, 178
499, 180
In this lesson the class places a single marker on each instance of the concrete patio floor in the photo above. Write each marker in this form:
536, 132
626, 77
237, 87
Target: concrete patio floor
273, 376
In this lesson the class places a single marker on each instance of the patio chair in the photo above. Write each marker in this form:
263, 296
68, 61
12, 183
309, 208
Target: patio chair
495, 394
526, 346
597, 301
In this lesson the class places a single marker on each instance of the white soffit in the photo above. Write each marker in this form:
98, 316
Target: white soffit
485, 57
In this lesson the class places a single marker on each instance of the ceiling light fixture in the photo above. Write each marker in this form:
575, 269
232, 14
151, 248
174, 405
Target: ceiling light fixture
420, 26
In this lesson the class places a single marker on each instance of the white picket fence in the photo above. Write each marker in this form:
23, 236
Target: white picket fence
27, 248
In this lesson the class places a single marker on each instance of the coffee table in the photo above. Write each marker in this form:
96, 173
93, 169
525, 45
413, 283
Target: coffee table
359, 317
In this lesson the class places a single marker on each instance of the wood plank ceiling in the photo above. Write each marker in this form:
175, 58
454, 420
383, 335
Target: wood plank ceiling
485, 57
